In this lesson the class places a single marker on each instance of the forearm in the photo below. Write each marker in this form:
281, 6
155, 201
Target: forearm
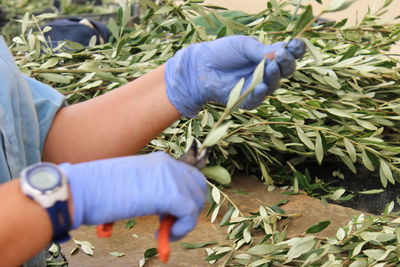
118, 123
24, 224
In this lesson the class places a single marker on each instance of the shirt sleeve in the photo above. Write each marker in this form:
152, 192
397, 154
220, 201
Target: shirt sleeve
47, 102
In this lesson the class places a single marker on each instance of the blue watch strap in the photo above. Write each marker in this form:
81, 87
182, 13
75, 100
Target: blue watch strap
61, 221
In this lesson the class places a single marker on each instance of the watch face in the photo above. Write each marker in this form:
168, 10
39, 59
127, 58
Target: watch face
44, 178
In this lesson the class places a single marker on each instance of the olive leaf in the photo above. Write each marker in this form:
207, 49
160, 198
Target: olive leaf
235, 94
350, 150
85, 246
319, 148
194, 246
116, 254
316, 228
304, 19
218, 174
216, 135
338, 5
304, 138
385, 171
338, 193
313, 51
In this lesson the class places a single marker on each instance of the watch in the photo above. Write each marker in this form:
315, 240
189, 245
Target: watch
46, 184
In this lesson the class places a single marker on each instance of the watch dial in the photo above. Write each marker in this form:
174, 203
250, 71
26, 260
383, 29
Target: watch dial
43, 179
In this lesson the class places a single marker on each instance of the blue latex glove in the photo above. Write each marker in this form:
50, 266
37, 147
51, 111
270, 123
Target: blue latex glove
108, 190
208, 71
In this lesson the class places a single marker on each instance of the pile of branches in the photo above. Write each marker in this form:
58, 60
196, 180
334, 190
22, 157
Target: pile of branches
340, 105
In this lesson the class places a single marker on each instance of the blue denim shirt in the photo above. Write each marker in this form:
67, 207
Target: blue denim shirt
27, 109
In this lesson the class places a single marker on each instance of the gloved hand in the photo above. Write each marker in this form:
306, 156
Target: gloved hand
113, 189
208, 71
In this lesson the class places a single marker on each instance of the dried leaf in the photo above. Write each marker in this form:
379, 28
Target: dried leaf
116, 254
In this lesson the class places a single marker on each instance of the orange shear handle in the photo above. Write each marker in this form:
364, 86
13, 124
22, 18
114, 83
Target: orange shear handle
163, 237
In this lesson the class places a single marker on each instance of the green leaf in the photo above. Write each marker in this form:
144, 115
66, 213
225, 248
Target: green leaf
216, 135
164, 9
316, 228
350, 149
49, 63
339, 113
246, 235
304, 20
389, 208
113, 27
372, 191
359, 263
299, 249
338, 193
264, 249
116, 254
319, 148
25, 22
346, 160
386, 171
151, 252
130, 224
374, 253
358, 248
387, 3
227, 216
218, 174
304, 138
340, 234
216, 195
258, 76
278, 143
350, 52
366, 161
338, 5
194, 246
314, 51
56, 78
366, 124
289, 99
46, 16
214, 256
383, 178
94, 84
235, 94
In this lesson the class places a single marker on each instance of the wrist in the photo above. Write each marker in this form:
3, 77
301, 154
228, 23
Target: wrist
46, 184
75, 206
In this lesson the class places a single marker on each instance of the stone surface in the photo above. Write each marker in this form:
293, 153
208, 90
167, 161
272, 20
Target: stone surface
311, 210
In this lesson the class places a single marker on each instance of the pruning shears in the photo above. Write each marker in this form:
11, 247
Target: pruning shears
197, 159
193, 157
